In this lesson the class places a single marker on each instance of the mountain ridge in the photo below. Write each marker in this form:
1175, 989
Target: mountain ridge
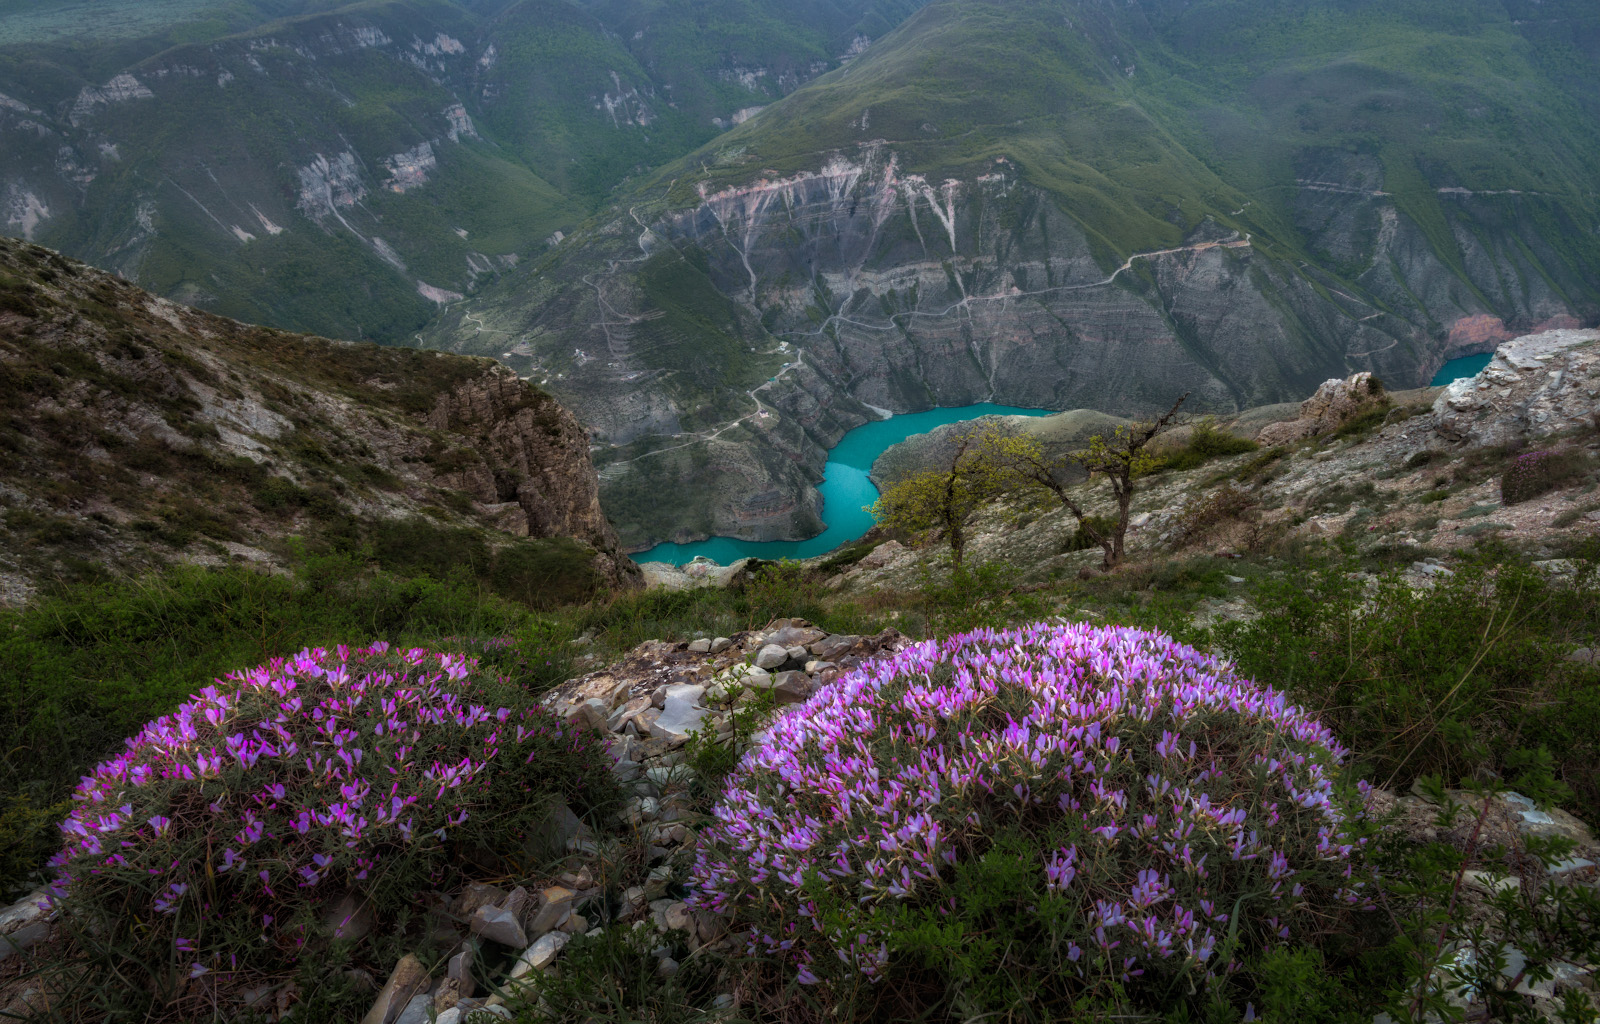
982, 262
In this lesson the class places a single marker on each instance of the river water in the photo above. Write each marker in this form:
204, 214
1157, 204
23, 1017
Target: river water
1464, 366
846, 489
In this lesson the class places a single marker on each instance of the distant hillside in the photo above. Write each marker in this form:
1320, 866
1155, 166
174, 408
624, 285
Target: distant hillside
345, 169
136, 432
1077, 204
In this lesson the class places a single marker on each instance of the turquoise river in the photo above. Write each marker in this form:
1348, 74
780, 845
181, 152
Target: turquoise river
846, 490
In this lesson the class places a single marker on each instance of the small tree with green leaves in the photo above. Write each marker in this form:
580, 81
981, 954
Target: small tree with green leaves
943, 501
1020, 463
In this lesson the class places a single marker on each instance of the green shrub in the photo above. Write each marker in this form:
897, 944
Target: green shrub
1206, 442
1364, 422
1534, 473
203, 859
1459, 680
1088, 533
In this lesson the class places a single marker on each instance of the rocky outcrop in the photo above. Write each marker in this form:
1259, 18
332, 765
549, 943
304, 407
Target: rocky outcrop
1535, 386
535, 456
858, 285
1335, 403
134, 431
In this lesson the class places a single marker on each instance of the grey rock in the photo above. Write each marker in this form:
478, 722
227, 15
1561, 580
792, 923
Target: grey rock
459, 971
771, 656
678, 917
700, 646
24, 912
1570, 865
792, 687
408, 980
756, 678
594, 713
22, 938
797, 654
627, 771
498, 925
656, 882
831, 648
796, 636
816, 666
665, 777
417, 1011
540, 955
666, 967
720, 644
682, 714
555, 905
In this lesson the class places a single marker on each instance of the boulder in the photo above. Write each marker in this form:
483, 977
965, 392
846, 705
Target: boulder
540, 955
1335, 403
882, 555
792, 687
771, 656
408, 980
796, 636
498, 924
1535, 385
555, 904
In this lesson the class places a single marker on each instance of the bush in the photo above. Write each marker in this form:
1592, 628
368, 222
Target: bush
1088, 533
1464, 679
1032, 818
203, 858
1206, 442
1534, 473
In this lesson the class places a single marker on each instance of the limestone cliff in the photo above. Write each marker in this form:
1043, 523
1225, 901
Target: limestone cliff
134, 431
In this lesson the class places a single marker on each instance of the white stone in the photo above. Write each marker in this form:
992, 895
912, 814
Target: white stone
771, 656
681, 713
540, 955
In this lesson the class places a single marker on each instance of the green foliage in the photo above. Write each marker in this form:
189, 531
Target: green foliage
1206, 441
612, 977
1464, 679
1364, 423
1088, 532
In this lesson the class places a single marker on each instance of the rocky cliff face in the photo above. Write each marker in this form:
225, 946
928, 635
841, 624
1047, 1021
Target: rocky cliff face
857, 287
137, 431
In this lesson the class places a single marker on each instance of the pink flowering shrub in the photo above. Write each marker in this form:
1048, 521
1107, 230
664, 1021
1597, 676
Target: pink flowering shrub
217, 840
1039, 815
1534, 473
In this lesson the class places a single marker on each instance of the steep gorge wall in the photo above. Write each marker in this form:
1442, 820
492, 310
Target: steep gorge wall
859, 287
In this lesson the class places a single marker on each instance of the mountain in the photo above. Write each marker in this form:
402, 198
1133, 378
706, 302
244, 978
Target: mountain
345, 169
1067, 204
135, 432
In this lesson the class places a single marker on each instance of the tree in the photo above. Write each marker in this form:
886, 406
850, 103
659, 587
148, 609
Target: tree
944, 500
1020, 463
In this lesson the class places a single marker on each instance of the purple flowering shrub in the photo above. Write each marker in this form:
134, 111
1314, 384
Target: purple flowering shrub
1037, 814
216, 841
1534, 473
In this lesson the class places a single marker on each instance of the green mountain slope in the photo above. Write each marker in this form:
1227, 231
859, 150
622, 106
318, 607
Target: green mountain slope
345, 169
1068, 204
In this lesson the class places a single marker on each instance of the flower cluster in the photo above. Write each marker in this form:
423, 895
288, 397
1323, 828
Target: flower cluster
1534, 473
227, 824
1172, 815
